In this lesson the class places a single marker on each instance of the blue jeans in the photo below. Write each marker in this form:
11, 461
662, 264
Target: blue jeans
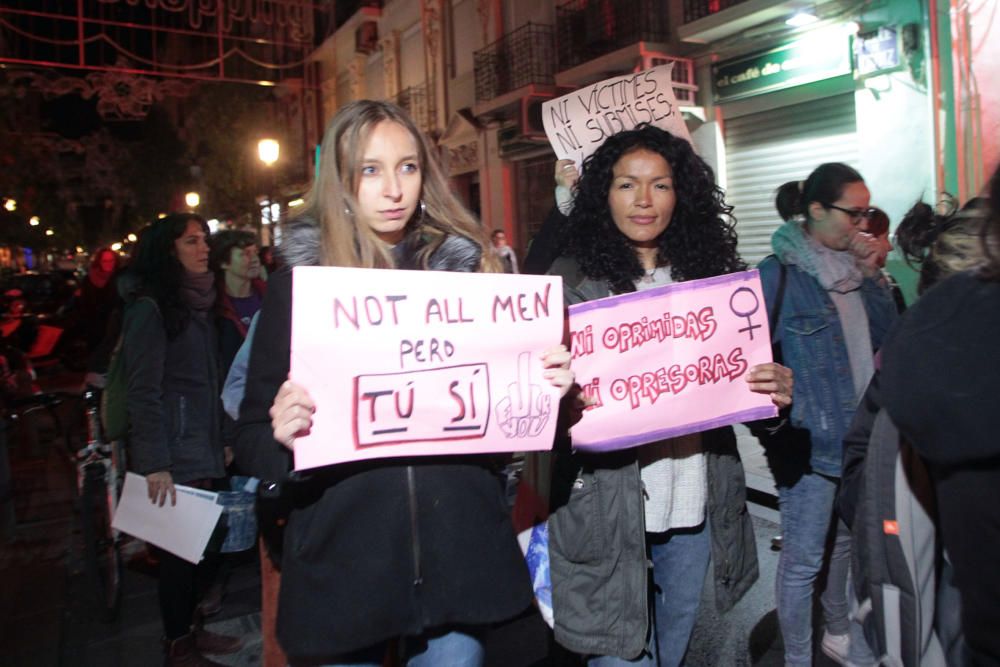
806, 507
442, 649
680, 560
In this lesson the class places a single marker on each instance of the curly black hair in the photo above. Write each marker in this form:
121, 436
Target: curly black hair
700, 240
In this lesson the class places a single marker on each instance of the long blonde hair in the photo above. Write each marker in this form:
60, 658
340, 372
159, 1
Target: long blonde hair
348, 242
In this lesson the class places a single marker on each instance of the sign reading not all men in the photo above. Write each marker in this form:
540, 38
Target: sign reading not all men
417, 363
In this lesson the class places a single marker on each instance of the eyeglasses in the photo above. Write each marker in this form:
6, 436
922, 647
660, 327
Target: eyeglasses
857, 214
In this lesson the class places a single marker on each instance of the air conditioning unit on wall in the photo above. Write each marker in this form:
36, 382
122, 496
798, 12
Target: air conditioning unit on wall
525, 136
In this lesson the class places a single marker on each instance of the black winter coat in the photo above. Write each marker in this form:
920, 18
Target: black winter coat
173, 395
375, 550
941, 386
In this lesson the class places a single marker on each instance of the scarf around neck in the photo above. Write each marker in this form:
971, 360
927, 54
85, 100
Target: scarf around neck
198, 290
835, 270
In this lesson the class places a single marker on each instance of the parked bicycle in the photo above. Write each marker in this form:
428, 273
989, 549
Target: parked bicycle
100, 475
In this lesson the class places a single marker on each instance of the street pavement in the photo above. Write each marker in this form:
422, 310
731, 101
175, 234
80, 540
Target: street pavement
46, 619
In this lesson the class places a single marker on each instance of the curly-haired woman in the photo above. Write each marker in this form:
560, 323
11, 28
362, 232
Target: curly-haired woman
647, 212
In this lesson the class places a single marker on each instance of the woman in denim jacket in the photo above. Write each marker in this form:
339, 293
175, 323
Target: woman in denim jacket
834, 313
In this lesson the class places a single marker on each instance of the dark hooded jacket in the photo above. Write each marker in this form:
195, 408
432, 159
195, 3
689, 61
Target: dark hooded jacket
378, 549
941, 386
172, 399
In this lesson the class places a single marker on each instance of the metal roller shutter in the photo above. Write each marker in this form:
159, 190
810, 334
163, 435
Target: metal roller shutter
764, 150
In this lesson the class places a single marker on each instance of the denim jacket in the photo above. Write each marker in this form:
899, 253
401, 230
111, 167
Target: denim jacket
812, 345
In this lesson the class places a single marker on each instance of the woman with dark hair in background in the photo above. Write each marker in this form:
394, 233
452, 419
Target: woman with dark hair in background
170, 360
940, 384
834, 312
647, 213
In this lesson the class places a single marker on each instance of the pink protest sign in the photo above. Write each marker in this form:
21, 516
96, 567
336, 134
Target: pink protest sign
420, 363
669, 361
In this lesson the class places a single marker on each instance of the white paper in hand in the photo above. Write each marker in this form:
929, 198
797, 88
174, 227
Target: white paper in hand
182, 529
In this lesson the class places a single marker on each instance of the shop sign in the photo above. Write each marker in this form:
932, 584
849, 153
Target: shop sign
876, 51
797, 63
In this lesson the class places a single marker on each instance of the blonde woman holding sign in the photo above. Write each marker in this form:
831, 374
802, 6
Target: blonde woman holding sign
647, 212
418, 549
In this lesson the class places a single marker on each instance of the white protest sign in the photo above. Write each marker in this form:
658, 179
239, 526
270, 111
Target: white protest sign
578, 123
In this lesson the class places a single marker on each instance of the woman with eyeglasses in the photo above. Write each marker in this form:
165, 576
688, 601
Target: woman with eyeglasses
833, 311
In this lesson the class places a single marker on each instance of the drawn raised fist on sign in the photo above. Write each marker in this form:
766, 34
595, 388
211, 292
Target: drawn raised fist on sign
525, 409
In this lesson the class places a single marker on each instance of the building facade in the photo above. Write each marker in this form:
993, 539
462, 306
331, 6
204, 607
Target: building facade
769, 89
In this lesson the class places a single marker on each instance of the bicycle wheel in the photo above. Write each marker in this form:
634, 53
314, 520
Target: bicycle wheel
102, 559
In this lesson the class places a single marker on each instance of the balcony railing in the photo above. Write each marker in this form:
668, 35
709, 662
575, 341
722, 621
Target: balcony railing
419, 104
588, 29
699, 9
520, 58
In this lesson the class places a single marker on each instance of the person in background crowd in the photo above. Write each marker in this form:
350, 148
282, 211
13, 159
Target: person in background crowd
268, 261
834, 314
939, 379
418, 549
550, 240
98, 297
508, 258
878, 226
648, 213
171, 362
18, 328
235, 261
939, 245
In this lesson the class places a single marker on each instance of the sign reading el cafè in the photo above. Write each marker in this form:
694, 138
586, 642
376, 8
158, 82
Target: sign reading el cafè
794, 64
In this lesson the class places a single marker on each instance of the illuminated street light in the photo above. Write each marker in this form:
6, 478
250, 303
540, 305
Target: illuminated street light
161, 216
34, 221
192, 199
132, 238
296, 202
10, 205
268, 151
50, 232
802, 18
116, 246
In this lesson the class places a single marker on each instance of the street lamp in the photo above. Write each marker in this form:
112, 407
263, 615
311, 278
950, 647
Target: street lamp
192, 199
10, 205
268, 151
34, 221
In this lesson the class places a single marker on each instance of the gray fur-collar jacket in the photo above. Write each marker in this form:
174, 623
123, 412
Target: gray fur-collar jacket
300, 246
